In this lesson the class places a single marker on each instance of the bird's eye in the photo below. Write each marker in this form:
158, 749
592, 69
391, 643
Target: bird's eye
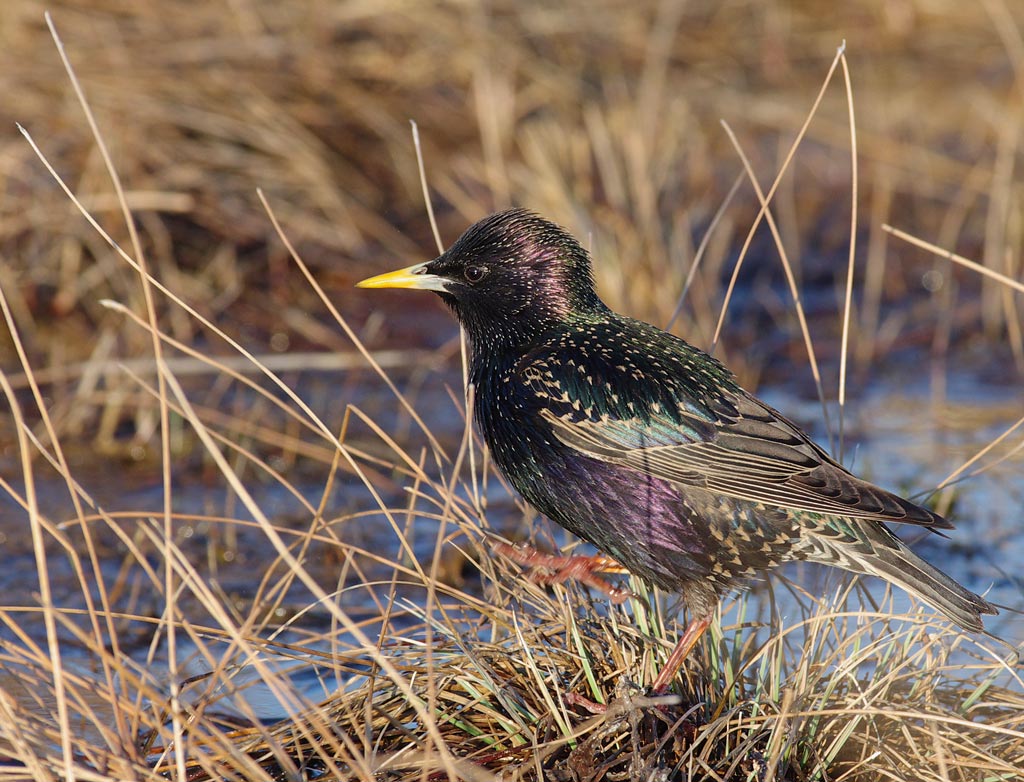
474, 273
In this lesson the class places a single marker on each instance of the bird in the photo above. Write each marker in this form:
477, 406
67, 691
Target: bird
646, 446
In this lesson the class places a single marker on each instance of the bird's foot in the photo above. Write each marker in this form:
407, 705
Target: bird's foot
561, 569
627, 697
574, 699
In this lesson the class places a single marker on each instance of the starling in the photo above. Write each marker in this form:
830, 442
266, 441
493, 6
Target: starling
646, 446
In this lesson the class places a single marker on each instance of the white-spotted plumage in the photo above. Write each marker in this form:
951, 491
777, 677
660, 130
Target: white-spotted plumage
645, 445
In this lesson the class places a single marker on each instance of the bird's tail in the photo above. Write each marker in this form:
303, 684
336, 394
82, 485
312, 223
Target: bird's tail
878, 552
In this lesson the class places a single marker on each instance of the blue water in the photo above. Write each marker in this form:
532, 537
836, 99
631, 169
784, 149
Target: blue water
896, 436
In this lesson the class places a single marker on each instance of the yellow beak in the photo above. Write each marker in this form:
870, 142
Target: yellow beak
409, 277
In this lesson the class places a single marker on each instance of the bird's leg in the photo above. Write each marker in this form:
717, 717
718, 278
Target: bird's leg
694, 631
562, 569
572, 699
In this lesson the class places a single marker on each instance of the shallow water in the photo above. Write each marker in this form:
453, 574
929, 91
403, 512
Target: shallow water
896, 436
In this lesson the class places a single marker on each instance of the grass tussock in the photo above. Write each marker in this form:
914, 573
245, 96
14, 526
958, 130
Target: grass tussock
367, 632
440, 683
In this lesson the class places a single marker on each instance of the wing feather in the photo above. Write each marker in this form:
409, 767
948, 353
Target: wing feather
746, 451
655, 404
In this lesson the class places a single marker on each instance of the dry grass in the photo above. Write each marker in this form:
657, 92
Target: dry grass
129, 653
605, 121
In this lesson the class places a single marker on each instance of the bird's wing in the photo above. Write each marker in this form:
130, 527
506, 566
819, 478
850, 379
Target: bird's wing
734, 445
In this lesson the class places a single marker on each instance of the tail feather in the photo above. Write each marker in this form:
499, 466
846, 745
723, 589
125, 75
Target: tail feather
910, 572
877, 552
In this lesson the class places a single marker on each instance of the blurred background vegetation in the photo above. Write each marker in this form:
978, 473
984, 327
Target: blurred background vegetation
601, 115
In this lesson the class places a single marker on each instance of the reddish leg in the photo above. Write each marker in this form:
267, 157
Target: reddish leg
582, 569
694, 631
572, 699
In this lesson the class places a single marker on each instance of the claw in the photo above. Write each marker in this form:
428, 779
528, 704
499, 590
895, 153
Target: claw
562, 569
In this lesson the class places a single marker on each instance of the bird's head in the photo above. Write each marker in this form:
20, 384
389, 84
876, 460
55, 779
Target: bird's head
508, 277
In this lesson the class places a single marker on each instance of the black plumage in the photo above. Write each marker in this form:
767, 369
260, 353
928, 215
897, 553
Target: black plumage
646, 446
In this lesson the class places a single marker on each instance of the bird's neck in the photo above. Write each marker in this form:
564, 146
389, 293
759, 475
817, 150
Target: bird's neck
517, 330
500, 335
